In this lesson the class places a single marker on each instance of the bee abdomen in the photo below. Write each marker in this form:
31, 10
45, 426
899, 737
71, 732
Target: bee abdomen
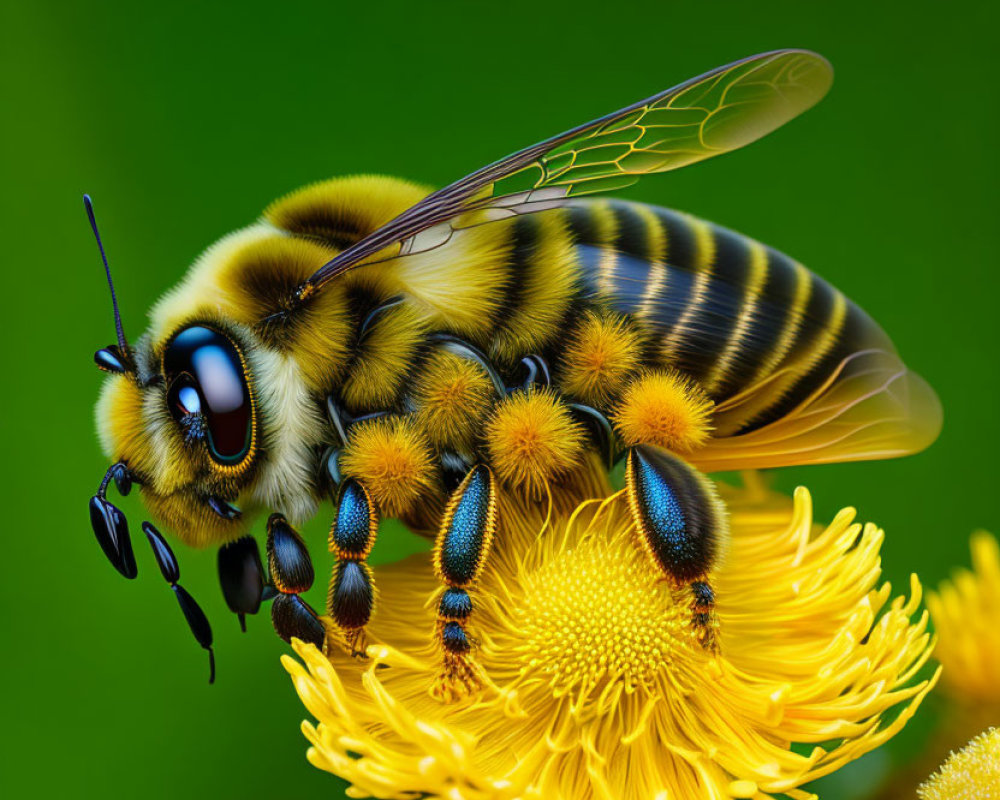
724, 309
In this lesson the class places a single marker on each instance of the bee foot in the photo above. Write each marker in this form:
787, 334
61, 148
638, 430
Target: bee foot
704, 620
460, 679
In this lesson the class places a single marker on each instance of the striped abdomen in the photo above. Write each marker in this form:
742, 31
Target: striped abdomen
723, 308
798, 373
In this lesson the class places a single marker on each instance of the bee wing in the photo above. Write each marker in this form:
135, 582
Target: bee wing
706, 116
870, 407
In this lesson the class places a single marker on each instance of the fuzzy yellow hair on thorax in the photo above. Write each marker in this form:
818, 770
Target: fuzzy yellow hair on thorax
258, 281
385, 357
340, 211
547, 284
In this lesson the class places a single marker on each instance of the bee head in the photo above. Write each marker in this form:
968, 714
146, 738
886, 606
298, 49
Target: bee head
179, 418
184, 422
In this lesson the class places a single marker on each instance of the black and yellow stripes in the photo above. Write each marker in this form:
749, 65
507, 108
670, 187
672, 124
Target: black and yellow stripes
656, 281
340, 211
731, 358
721, 308
543, 283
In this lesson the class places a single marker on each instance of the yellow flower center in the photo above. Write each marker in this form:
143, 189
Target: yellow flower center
600, 612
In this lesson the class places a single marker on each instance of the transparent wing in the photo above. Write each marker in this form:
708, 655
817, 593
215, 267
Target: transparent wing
719, 111
871, 407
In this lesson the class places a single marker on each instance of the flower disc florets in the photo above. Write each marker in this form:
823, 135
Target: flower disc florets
595, 686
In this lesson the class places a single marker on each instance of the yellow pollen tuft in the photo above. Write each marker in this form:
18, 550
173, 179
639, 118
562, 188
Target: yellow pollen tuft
665, 409
392, 459
602, 353
973, 773
452, 396
532, 439
581, 635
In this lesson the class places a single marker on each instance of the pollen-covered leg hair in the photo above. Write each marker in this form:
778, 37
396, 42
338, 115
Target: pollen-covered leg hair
351, 598
533, 438
601, 354
666, 409
393, 458
452, 395
683, 526
463, 543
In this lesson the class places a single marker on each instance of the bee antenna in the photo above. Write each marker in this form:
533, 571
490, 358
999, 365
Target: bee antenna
122, 341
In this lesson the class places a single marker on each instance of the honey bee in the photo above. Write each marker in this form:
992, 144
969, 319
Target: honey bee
415, 354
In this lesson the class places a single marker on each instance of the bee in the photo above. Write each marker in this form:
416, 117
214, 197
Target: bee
417, 354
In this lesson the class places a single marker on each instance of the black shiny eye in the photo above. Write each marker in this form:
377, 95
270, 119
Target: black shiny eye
205, 375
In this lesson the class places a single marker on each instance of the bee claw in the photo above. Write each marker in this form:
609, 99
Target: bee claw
198, 623
357, 642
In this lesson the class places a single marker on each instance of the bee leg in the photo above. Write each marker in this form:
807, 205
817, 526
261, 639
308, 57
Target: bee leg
171, 572
463, 349
291, 573
109, 523
534, 371
241, 576
600, 430
454, 468
683, 524
463, 544
352, 535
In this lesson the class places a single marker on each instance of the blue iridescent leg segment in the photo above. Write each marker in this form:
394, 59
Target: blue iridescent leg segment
352, 535
683, 525
463, 543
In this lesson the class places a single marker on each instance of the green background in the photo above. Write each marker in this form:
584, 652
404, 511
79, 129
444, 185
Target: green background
184, 120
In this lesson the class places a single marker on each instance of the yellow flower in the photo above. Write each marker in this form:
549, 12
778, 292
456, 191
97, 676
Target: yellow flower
595, 684
966, 614
973, 773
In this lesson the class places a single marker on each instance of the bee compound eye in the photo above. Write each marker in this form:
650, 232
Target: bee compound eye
208, 378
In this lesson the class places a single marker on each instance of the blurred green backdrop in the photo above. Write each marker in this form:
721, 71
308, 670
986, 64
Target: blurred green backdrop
184, 119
